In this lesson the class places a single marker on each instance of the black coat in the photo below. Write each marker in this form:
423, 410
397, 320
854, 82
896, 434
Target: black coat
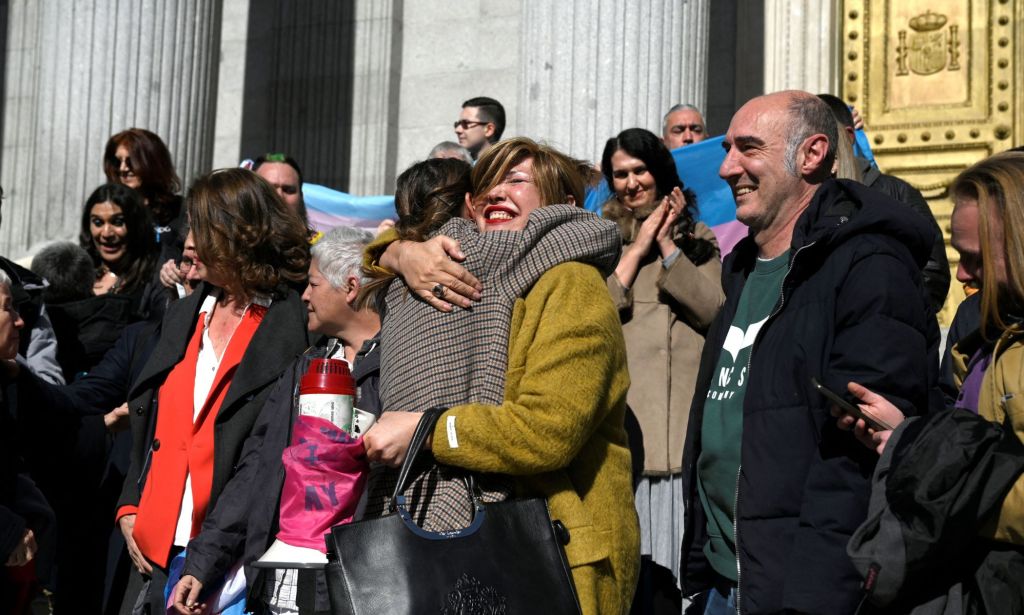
246, 522
81, 466
941, 479
280, 337
22, 505
72, 415
936, 270
852, 308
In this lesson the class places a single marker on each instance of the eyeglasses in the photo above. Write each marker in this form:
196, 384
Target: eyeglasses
467, 124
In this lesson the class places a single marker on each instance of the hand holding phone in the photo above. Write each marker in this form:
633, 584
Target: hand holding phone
872, 421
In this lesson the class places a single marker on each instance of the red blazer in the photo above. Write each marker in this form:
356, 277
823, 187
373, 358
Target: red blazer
182, 447
280, 337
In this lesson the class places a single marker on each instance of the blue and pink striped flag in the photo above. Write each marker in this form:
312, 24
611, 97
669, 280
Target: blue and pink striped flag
328, 208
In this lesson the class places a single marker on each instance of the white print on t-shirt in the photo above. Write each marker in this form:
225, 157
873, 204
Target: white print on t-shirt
736, 341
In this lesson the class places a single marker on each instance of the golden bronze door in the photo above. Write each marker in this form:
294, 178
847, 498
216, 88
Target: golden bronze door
938, 83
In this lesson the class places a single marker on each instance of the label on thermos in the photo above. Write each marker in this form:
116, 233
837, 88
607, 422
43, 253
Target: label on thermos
361, 422
334, 408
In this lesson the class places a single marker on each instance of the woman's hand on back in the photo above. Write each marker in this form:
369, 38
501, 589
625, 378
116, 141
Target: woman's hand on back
429, 265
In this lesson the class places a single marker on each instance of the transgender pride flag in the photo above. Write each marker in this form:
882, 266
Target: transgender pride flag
329, 208
697, 165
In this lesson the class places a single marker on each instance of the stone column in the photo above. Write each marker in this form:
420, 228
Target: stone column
79, 71
234, 39
801, 45
376, 72
592, 69
321, 84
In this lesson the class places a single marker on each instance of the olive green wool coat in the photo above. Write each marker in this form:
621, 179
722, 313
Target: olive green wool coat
559, 433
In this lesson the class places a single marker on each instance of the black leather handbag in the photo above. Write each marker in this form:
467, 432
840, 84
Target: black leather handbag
509, 560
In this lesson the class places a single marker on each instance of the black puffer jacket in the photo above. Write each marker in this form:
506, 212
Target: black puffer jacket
852, 308
936, 270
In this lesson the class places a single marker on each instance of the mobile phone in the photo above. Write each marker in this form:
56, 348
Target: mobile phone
872, 421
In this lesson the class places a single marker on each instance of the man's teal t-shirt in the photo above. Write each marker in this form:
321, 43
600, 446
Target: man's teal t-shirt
722, 428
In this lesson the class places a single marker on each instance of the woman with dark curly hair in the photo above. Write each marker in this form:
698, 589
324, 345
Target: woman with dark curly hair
220, 349
667, 289
138, 158
115, 231
116, 234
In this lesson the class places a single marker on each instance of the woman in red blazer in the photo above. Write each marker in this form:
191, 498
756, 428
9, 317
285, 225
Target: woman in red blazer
199, 394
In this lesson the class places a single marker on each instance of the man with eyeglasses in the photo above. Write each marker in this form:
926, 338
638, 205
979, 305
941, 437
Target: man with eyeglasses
683, 125
480, 124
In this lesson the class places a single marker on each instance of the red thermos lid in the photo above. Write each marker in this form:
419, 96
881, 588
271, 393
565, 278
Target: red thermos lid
327, 377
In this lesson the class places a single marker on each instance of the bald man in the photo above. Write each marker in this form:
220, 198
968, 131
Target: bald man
827, 286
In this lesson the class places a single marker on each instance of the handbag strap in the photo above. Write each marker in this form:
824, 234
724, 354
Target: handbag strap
419, 437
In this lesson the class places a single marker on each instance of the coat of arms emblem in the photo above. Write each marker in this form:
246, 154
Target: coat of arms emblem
931, 48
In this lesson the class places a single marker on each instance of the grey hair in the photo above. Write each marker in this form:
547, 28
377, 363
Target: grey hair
679, 107
339, 254
808, 116
5, 280
68, 269
452, 147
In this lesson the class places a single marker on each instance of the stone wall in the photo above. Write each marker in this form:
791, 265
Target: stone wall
71, 80
358, 90
452, 52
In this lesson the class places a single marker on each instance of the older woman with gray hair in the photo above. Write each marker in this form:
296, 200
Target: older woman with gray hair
335, 278
251, 500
